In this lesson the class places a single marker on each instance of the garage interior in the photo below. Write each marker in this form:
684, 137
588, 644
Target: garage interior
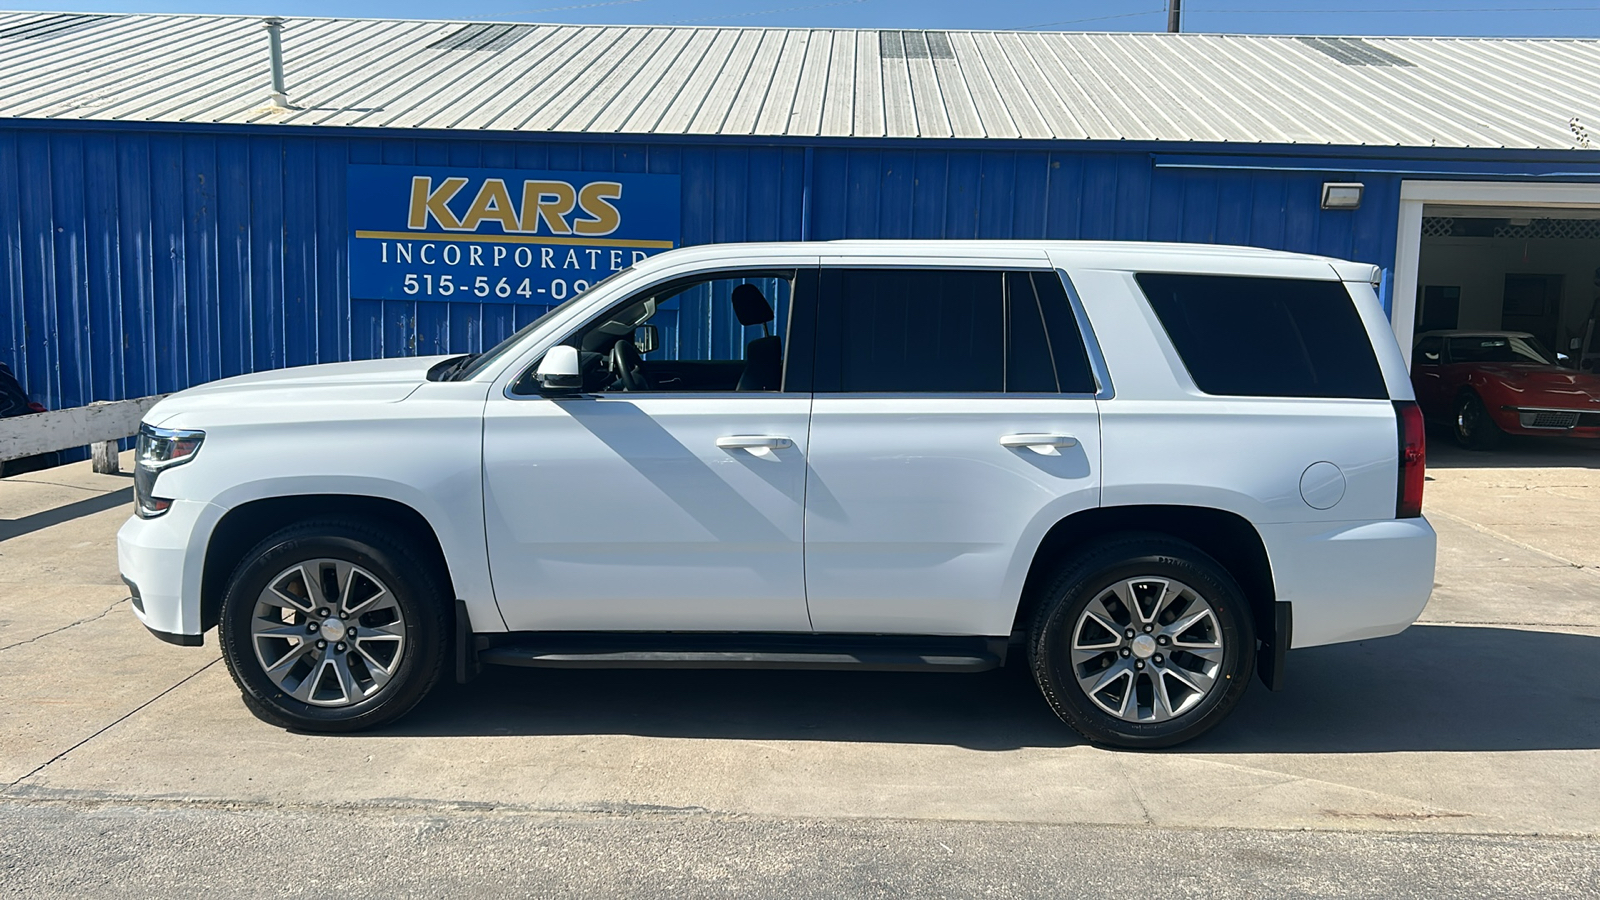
1523, 268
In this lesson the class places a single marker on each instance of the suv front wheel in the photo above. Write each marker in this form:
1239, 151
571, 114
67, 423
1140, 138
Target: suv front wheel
1142, 642
333, 626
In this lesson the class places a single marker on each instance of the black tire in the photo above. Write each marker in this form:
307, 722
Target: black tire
1472, 425
1066, 596
419, 598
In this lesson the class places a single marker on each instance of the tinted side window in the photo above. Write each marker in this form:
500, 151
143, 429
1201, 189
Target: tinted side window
1029, 364
948, 331
1066, 342
1429, 352
1267, 337
907, 330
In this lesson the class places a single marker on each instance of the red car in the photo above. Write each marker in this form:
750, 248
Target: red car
1487, 384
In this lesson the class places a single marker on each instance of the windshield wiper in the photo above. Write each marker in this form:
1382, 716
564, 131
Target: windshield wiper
449, 371
461, 366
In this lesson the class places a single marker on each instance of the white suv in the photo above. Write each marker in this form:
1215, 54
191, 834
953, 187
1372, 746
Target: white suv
1128, 462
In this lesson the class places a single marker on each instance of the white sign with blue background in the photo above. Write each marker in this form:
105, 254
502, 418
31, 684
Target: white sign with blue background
501, 235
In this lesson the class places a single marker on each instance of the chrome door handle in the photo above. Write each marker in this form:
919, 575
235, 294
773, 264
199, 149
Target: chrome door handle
757, 444
1042, 444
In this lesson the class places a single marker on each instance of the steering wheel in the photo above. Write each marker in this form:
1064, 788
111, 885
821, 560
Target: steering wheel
628, 366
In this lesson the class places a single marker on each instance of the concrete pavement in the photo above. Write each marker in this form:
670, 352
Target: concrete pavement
183, 851
1484, 719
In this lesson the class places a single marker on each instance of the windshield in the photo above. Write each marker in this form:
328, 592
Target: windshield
1500, 348
477, 363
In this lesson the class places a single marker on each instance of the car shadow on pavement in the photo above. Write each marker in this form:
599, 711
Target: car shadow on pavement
1514, 452
998, 710
10, 528
1430, 688
1433, 688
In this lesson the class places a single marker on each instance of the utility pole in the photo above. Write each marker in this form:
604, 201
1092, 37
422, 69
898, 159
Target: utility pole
1174, 16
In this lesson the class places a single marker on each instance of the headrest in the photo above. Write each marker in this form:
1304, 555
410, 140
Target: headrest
750, 306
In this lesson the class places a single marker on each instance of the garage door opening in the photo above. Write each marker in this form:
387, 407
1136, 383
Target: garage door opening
1515, 269
1497, 303
1501, 256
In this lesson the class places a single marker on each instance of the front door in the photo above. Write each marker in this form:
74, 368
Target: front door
669, 497
955, 420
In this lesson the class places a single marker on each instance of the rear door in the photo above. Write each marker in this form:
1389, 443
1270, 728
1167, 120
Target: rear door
954, 421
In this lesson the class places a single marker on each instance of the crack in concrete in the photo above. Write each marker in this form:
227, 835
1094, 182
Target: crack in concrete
114, 723
1133, 789
1482, 529
1395, 817
1294, 777
1465, 624
30, 796
40, 637
33, 795
77, 487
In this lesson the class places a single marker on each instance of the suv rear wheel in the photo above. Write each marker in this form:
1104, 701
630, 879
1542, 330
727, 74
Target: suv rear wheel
333, 626
1142, 642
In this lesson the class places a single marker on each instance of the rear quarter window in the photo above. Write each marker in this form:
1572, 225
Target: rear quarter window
1266, 337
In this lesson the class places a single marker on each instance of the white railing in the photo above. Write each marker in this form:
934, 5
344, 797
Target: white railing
100, 425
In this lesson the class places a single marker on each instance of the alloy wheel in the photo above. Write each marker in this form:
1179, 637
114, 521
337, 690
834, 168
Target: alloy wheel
1147, 649
328, 632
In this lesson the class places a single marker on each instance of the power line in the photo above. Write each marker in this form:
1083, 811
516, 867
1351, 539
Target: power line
768, 12
764, 12
523, 12
1148, 12
1430, 9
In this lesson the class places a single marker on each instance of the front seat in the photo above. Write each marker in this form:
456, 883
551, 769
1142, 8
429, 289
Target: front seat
763, 357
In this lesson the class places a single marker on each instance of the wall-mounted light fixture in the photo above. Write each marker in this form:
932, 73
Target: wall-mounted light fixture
1342, 195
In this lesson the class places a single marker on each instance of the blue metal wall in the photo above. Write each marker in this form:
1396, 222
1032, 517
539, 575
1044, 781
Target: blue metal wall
135, 262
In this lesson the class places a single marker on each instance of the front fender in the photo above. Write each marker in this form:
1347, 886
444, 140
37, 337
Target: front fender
454, 513
425, 453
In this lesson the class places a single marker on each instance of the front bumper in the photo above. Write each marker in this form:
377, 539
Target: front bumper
1548, 421
162, 560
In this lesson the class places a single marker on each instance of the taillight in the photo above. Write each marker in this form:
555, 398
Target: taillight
1413, 452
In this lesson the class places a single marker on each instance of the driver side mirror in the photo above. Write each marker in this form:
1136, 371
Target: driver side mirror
646, 338
558, 372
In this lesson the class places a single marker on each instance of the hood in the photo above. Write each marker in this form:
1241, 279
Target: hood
369, 381
406, 370
1532, 377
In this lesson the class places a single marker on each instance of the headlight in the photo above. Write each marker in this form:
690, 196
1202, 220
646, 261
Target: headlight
159, 448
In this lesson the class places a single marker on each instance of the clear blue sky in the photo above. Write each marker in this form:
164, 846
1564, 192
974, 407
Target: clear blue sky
1372, 17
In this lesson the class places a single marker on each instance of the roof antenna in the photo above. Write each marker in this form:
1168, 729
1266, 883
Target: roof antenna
274, 26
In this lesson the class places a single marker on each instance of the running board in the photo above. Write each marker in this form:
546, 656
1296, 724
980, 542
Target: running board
873, 653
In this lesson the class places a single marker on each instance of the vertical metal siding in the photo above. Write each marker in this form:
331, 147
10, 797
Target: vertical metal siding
136, 262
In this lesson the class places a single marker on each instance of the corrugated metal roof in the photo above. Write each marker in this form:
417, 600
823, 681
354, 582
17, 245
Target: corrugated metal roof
504, 77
